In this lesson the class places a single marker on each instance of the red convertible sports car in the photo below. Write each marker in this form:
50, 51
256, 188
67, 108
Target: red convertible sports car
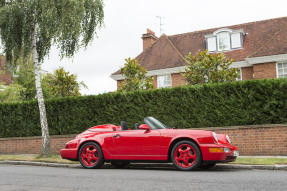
149, 142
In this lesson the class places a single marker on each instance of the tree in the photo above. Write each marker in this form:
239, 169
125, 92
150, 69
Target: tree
24, 76
62, 84
11, 93
135, 77
33, 26
209, 68
58, 84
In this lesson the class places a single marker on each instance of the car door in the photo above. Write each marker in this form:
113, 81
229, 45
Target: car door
136, 143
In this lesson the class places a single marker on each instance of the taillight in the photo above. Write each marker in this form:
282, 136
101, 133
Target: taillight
71, 145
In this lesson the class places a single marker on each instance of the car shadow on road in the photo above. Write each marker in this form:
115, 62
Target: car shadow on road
165, 167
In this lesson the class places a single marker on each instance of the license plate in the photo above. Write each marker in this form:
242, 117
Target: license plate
236, 153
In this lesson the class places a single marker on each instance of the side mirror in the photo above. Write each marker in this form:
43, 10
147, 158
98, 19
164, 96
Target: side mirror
144, 127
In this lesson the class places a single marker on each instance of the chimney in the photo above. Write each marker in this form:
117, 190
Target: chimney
148, 39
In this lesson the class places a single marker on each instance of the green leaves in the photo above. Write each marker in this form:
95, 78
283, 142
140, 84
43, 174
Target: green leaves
135, 77
69, 24
209, 105
61, 84
57, 84
209, 68
12, 93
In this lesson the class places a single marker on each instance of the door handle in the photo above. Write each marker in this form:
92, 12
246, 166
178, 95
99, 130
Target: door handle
116, 135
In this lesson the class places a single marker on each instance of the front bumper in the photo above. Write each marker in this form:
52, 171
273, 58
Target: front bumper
70, 154
208, 156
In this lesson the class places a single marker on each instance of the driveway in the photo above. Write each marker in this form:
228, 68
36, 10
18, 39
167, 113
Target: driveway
37, 178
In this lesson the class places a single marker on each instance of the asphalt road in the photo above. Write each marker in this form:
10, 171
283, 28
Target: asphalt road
36, 178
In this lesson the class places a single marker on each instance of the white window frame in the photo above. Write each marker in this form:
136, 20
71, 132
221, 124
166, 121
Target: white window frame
239, 79
228, 41
165, 86
232, 41
208, 46
277, 69
216, 34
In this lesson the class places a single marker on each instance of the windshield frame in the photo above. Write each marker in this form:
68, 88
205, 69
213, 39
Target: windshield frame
154, 123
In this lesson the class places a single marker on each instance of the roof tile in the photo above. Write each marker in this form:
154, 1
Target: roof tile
263, 38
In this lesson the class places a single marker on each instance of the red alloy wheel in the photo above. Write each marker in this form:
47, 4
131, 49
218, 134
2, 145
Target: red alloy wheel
90, 155
185, 155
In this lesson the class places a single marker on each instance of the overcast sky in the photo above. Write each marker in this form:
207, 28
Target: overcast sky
126, 20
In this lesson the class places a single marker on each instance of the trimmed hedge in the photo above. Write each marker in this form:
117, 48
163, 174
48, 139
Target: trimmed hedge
235, 103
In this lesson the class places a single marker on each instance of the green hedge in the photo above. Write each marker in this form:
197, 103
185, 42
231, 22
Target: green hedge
236, 103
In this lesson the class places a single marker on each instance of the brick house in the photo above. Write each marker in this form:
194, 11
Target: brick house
5, 76
259, 50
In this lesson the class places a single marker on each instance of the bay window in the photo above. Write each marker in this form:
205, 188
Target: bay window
164, 81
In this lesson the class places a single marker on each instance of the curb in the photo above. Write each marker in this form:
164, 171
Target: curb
150, 165
252, 167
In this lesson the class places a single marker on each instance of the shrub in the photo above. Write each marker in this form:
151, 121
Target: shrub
225, 104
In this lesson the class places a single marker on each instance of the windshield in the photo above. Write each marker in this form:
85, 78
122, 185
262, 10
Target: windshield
153, 123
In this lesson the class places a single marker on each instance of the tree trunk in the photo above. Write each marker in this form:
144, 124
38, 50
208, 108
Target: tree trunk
40, 98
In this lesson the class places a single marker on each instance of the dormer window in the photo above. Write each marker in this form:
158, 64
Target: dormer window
224, 40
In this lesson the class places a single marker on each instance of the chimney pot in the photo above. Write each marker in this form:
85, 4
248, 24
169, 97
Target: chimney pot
148, 39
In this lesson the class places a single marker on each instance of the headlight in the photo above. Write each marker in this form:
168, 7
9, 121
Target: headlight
215, 137
226, 150
228, 139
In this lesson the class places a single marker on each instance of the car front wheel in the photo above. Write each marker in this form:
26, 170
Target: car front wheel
186, 155
90, 155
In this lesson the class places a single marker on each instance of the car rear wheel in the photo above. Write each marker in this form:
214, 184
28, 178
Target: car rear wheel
90, 155
186, 155
120, 164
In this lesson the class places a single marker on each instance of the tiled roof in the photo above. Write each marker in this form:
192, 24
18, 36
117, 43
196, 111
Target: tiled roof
263, 38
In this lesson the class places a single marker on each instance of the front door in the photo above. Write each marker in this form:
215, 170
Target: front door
136, 143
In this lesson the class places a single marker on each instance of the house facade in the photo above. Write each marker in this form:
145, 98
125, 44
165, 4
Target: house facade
259, 50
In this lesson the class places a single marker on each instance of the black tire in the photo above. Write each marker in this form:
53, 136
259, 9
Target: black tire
195, 163
208, 166
100, 156
120, 164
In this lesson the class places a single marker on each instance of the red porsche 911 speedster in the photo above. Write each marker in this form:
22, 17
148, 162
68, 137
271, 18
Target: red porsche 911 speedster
149, 142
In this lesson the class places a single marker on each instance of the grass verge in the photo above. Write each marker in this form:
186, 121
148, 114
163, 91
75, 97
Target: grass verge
37, 158
262, 161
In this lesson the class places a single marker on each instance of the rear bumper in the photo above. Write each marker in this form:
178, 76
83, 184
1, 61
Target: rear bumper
208, 156
70, 154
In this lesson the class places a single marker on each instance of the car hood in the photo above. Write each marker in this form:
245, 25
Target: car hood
202, 136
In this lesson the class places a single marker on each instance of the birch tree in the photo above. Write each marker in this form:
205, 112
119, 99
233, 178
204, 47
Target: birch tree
33, 26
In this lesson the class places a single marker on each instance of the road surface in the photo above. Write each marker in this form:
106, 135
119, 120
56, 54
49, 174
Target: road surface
37, 178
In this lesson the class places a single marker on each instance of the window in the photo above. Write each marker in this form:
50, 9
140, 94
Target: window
282, 70
164, 81
224, 39
236, 40
239, 78
211, 44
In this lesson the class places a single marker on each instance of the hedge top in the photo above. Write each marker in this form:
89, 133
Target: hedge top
224, 104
